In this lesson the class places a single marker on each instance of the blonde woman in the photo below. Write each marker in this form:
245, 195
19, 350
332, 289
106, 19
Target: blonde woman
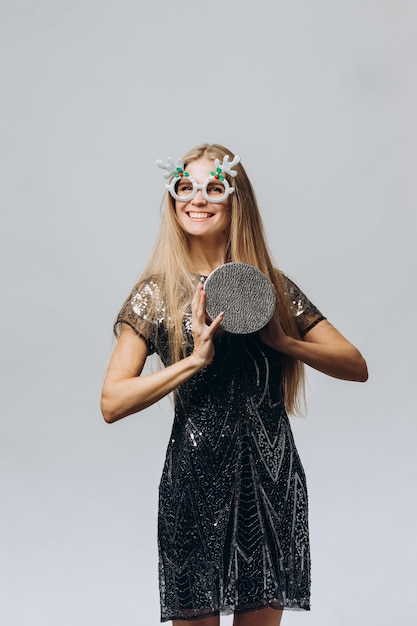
232, 524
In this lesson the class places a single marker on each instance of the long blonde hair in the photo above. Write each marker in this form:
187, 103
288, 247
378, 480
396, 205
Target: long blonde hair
170, 263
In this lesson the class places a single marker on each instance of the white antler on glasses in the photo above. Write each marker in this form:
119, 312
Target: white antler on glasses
226, 166
169, 166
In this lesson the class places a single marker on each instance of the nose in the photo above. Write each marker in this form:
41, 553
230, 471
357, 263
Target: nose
199, 199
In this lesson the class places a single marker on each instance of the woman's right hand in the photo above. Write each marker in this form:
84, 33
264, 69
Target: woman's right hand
126, 390
203, 333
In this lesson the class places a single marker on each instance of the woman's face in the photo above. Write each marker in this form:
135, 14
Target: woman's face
198, 217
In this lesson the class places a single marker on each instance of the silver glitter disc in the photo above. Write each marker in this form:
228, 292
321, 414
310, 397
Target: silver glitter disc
244, 294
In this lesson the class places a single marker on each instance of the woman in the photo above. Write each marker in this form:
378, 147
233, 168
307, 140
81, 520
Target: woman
232, 527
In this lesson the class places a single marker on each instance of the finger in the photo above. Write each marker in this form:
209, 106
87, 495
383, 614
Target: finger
203, 298
196, 301
197, 292
202, 303
216, 322
198, 309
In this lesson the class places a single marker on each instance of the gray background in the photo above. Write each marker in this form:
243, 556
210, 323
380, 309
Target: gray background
319, 100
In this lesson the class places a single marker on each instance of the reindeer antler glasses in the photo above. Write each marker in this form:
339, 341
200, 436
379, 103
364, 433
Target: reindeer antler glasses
184, 187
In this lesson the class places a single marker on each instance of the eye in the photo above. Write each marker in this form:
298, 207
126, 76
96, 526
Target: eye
215, 189
184, 188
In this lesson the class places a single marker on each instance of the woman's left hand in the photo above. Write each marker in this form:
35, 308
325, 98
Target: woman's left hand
273, 334
324, 348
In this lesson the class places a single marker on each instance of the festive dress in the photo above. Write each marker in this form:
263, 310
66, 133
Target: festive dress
233, 511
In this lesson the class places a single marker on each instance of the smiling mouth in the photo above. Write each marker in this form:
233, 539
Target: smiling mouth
199, 216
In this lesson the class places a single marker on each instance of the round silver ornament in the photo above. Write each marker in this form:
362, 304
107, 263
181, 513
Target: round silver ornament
245, 295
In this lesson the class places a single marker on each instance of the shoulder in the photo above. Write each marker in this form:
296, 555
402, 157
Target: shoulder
143, 310
306, 314
146, 297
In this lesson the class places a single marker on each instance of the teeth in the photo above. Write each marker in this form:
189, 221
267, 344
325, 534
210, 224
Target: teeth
199, 215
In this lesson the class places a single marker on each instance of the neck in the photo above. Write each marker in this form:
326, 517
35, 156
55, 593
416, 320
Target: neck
206, 256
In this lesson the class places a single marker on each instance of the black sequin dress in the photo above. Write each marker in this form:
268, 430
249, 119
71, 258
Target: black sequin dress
233, 519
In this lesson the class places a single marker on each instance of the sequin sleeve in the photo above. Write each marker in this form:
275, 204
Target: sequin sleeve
143, 311
305, 312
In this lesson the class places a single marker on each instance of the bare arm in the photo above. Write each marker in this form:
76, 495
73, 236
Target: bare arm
323, 348
126, 391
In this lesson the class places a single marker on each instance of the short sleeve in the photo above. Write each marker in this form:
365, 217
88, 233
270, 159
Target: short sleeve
144, 312
306, 314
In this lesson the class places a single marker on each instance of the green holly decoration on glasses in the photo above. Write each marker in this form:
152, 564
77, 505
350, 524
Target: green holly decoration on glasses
179, 173
218, 173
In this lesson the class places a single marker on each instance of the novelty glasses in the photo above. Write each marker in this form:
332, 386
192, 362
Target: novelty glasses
183, 187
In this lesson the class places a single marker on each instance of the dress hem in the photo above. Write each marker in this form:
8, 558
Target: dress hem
230, 611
